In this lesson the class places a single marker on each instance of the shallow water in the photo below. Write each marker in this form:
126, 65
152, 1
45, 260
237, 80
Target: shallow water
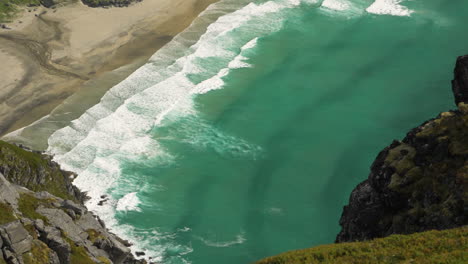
248, 143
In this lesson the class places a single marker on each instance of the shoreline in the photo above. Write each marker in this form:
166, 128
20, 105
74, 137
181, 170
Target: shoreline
52, 53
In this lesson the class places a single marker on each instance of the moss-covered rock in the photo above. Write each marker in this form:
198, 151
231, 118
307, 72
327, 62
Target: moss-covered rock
39, 227
28, 204
39, 254
36, 172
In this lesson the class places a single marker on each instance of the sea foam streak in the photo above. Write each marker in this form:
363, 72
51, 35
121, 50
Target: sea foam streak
238, 240
117, 129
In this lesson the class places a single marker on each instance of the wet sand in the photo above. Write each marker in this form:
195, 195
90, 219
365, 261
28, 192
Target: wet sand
52, 53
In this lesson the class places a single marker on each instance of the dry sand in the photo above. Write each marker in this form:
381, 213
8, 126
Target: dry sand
50, 53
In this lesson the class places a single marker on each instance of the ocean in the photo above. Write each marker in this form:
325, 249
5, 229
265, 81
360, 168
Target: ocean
244, 136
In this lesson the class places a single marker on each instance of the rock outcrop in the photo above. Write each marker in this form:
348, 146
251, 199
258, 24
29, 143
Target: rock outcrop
460, 83
41, 227
419, 183
107, 3
37, 172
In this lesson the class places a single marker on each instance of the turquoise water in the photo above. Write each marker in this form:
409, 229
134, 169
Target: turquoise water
249, 143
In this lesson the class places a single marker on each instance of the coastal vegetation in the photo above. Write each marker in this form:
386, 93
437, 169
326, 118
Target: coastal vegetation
448, 246
36, 172
9, 8
28, 204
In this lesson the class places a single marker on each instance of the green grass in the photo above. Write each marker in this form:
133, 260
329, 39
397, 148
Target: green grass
27, 205
25, 167
31, 230
6, 214
448, 246
104, 260
9, 8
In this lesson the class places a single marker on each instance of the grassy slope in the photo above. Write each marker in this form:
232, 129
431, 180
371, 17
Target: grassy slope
23, 166
448, 246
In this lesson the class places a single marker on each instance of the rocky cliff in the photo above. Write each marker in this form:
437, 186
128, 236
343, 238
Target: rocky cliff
43, 219
419, 183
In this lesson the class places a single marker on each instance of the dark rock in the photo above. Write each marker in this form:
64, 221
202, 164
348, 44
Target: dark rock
53, 238
107, 3
116, 250
10, 257
139, 253
460, 82
78, 209
101, 203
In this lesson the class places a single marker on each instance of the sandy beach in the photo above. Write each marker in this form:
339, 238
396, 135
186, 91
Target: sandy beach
48, 54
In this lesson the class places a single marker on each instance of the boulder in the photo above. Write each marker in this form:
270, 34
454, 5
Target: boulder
89, 221
63, 221
53, 238
117, 251
39, 225
77, 209
8, 193
19, 239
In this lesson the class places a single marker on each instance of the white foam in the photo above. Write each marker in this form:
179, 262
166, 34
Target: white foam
389, 7
338, 5
129, 202
116, 130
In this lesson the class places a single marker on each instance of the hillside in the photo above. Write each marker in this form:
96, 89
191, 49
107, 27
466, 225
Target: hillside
448, 246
